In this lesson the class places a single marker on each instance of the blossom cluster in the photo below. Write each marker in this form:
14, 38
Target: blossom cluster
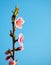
18, 24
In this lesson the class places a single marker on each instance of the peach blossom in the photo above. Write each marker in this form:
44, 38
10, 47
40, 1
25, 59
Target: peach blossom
21, 39
12, 62
19, 22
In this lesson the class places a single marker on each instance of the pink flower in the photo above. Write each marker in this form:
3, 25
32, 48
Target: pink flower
21, 39
12, 62
19, 22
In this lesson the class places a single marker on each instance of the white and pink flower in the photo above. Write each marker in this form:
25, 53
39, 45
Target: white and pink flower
21, 39
12, 62
19, 22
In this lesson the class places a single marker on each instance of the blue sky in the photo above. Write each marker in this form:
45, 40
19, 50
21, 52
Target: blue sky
36, 30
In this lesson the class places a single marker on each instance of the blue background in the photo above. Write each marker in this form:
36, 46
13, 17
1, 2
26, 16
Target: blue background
36, 30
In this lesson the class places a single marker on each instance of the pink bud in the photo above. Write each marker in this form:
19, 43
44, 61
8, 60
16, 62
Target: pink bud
8, 57
20, 48
7, 52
